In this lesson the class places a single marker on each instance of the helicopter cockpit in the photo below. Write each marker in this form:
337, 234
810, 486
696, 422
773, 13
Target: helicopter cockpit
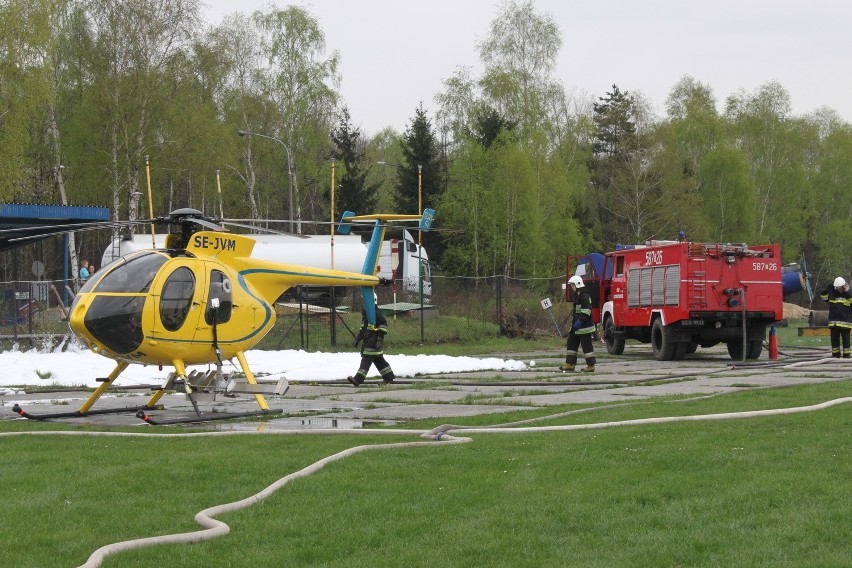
114, 314
115, 299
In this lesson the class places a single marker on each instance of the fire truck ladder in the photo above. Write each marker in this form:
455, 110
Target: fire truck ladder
697, 274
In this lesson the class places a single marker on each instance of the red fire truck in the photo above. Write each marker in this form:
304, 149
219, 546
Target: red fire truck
680, 295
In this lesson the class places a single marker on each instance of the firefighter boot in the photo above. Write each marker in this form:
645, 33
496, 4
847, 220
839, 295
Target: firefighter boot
588, 369
567, 367
847, 354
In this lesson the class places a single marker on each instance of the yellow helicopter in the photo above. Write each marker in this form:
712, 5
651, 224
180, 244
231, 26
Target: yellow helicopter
200, 300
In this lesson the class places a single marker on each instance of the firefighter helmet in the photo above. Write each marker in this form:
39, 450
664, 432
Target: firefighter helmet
576, 281
839, 282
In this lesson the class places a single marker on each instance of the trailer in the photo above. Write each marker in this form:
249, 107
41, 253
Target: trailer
679, 295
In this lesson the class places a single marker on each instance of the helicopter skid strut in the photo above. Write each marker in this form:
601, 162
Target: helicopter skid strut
201, 417
78, 414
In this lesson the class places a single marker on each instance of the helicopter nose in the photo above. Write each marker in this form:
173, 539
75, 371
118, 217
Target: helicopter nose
77, 316
113, 321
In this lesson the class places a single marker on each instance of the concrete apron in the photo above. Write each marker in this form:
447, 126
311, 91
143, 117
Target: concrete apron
632, 377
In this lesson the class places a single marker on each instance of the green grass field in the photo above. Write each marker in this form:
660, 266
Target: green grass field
769, 491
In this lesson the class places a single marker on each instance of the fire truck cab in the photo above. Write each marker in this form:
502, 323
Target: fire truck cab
678, 295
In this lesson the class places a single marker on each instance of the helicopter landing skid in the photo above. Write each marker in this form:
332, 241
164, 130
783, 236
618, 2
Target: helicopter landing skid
77, 414
189, 418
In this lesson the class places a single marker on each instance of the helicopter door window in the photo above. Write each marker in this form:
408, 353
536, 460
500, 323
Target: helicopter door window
220, 289
176, 298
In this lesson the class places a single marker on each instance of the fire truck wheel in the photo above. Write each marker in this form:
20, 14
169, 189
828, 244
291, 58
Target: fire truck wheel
735, 349
614, 343
662, 345
753, 349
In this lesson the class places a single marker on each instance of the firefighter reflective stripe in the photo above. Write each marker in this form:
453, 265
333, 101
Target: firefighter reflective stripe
839, 307
583, 313
585, 330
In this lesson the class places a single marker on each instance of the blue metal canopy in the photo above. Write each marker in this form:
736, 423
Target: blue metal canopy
41, 221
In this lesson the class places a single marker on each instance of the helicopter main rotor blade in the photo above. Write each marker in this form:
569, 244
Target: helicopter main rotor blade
63, 229
264, 230
204, 223
391, 226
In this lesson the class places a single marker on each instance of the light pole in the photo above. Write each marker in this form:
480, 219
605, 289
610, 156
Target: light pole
419, 199
420, 245
289, 175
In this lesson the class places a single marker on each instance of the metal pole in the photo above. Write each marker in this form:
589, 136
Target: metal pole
331, 226
290, 183
333, 299
499, 298
745, 331
419, 199
150, 202
300, 290
66, 267
420, 246
219, 190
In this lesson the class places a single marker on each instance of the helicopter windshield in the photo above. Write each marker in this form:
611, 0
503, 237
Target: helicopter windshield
132, 275
116, 321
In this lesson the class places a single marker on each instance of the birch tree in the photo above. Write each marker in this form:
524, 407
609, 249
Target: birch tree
132, 45
238, 43
519, 55
41, 56
772, 143
300, 84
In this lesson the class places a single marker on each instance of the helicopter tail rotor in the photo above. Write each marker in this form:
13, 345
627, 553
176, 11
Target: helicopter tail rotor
380, 223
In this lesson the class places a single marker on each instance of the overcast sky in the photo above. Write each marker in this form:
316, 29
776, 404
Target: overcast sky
396, 53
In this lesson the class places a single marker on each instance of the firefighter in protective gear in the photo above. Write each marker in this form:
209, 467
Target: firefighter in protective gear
839, 316
582, 328
372, 350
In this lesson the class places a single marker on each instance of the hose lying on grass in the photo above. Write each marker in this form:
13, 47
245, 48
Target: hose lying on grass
212, 528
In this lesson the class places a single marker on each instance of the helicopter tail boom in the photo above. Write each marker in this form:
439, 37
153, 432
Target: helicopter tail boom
271, 279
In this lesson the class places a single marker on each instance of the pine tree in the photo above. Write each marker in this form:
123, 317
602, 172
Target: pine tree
353, 193
421, 181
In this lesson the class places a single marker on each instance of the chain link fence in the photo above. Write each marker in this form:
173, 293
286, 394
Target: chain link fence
459, 309
35, 312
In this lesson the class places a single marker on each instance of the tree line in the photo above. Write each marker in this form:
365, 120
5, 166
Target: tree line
99, 96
